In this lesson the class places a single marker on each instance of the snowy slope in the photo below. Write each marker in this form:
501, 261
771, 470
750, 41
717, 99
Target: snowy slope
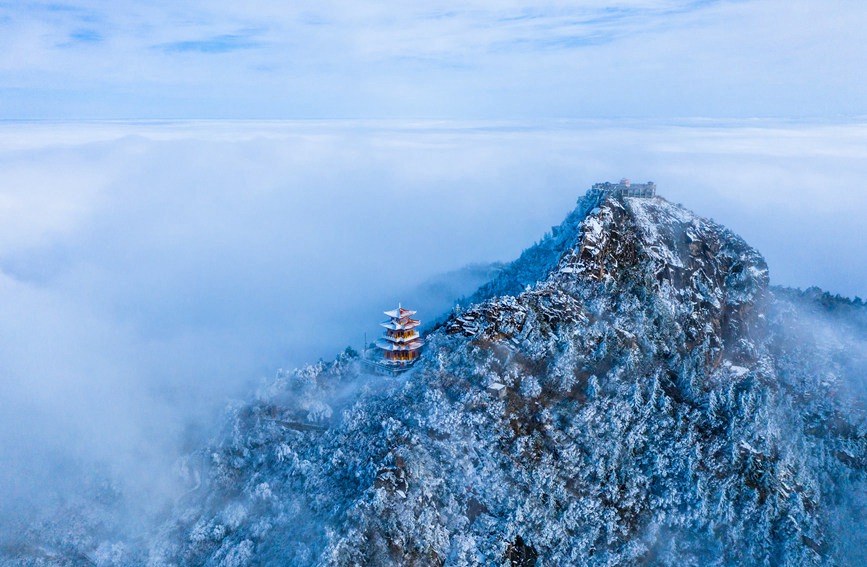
630, 391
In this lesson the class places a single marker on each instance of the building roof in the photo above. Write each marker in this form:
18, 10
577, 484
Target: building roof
396, 325
399, 313
386, 345
412, 337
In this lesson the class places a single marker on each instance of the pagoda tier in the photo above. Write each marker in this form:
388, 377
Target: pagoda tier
387, 345
400, 313
401, 344
397, 325
401, 337
401, 358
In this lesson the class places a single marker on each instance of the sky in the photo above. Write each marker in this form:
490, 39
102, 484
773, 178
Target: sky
196, 194
491, 59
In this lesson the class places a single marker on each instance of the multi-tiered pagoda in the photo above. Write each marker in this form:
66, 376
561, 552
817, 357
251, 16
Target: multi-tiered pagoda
401, 344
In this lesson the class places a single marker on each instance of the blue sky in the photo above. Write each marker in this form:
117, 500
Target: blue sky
453, 60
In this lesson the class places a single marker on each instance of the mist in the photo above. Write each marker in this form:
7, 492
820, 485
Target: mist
152, 271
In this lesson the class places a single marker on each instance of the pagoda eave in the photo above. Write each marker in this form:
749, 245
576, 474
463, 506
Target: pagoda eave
386, 345
400, 313
398, 326
401, 343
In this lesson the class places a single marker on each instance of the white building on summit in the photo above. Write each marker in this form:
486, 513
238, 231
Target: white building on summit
401, 344
628, 189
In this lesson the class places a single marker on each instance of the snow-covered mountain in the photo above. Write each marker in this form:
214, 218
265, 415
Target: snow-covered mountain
629, 391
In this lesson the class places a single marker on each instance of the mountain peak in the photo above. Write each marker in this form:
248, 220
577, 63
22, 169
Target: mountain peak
610, 230
639, 247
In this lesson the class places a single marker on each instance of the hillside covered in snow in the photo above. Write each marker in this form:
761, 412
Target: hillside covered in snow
630, 391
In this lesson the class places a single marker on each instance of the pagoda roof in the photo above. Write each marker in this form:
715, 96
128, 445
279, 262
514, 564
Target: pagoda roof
396, 325
400, 312
386, 345
398, 340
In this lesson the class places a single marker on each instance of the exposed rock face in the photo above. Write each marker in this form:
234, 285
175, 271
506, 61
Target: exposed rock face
628, 392
709, 275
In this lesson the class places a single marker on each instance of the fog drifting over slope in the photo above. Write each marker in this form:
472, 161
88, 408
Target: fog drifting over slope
150, 271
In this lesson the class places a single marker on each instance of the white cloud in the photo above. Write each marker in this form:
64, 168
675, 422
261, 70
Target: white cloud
483, 59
